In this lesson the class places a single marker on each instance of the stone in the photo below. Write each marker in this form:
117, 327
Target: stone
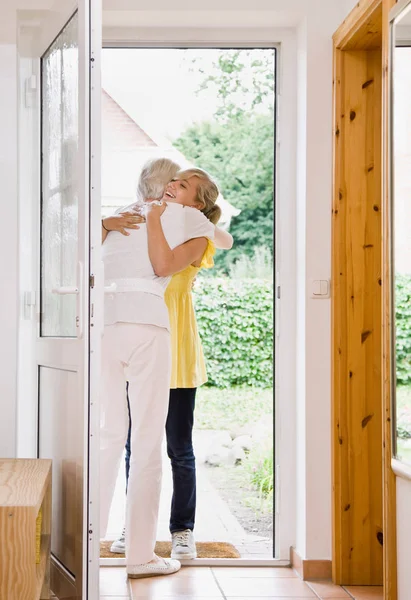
243, 441
221, 456
221, 438
237, 454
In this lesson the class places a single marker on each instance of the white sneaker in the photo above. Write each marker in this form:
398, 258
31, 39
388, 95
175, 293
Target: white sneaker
183, 545
119, 546
158, 566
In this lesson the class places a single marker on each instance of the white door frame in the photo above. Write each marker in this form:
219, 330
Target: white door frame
285, 42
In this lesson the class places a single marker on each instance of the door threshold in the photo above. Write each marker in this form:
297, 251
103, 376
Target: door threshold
211, 562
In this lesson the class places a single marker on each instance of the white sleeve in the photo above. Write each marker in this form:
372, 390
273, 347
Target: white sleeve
124, 209
197, 225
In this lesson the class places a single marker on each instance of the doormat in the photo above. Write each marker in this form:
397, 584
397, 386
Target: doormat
163, 549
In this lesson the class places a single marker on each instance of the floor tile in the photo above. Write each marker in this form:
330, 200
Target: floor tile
254, 572
197, 572
265, 586
113, 582
175, 585
365, 592
328, 590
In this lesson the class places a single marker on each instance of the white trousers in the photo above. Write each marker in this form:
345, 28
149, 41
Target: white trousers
139, 354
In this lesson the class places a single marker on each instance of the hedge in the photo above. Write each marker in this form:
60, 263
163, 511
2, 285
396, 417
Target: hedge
403, 328
235, 321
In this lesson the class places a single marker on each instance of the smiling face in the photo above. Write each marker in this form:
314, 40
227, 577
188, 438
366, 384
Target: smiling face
183, 191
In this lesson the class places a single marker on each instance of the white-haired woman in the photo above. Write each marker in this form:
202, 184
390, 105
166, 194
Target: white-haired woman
146, 370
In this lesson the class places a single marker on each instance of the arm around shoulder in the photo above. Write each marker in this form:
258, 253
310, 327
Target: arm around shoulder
197, 225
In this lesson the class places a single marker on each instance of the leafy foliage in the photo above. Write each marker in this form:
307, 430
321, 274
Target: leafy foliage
237, 148
243, 81
261, 471
235, 320
260, 266
240, 155
403, 328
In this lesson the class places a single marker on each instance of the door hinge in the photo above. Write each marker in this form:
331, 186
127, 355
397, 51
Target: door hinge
30, 299
30, 88
91, 281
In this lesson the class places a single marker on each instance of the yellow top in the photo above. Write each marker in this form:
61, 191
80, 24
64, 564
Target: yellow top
187, 360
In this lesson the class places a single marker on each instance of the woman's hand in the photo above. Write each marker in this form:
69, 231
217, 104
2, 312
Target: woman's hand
155, 208
123, 221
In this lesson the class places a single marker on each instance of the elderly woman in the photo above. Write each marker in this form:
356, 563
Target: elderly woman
136, 347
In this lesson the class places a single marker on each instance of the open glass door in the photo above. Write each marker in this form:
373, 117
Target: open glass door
67, 348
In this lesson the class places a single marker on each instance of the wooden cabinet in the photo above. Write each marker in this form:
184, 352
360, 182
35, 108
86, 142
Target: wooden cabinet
25, 487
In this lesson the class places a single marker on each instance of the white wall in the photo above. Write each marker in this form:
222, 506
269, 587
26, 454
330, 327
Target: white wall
29, 186
8, 250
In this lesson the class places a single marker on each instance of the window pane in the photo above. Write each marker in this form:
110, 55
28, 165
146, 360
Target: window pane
59, 214
402, 250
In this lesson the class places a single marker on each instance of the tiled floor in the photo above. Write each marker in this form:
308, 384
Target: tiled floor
226, 583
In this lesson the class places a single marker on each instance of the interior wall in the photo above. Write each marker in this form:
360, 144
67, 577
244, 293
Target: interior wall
29, 186
8, 250
314, 169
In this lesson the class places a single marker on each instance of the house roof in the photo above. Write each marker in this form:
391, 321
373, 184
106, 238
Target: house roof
119, 128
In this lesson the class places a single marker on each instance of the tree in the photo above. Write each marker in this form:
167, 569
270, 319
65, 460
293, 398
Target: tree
240, 155
237, 148
243, 81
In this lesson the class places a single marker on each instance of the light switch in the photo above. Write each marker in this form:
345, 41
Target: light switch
320, 288
324, 287
316, 287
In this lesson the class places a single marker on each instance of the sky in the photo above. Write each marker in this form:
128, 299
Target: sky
157, 87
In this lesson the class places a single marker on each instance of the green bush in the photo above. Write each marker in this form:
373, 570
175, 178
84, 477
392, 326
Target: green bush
262, 472
235, 320
403, 328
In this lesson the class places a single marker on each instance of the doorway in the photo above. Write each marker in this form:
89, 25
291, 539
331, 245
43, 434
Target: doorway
213, 108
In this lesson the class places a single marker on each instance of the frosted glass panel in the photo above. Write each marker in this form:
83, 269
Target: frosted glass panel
59, 215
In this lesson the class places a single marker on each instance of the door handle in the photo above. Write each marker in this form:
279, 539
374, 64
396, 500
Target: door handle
108, 289
65, 290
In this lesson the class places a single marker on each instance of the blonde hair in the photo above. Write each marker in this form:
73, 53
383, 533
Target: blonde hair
207, 193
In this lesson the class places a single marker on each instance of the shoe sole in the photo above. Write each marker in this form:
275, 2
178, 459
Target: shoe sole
117, 550
187, 556
145, 575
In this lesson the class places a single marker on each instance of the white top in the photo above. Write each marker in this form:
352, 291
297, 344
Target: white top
133, 292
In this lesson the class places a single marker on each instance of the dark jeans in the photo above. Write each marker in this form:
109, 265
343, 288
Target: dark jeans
179, 428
